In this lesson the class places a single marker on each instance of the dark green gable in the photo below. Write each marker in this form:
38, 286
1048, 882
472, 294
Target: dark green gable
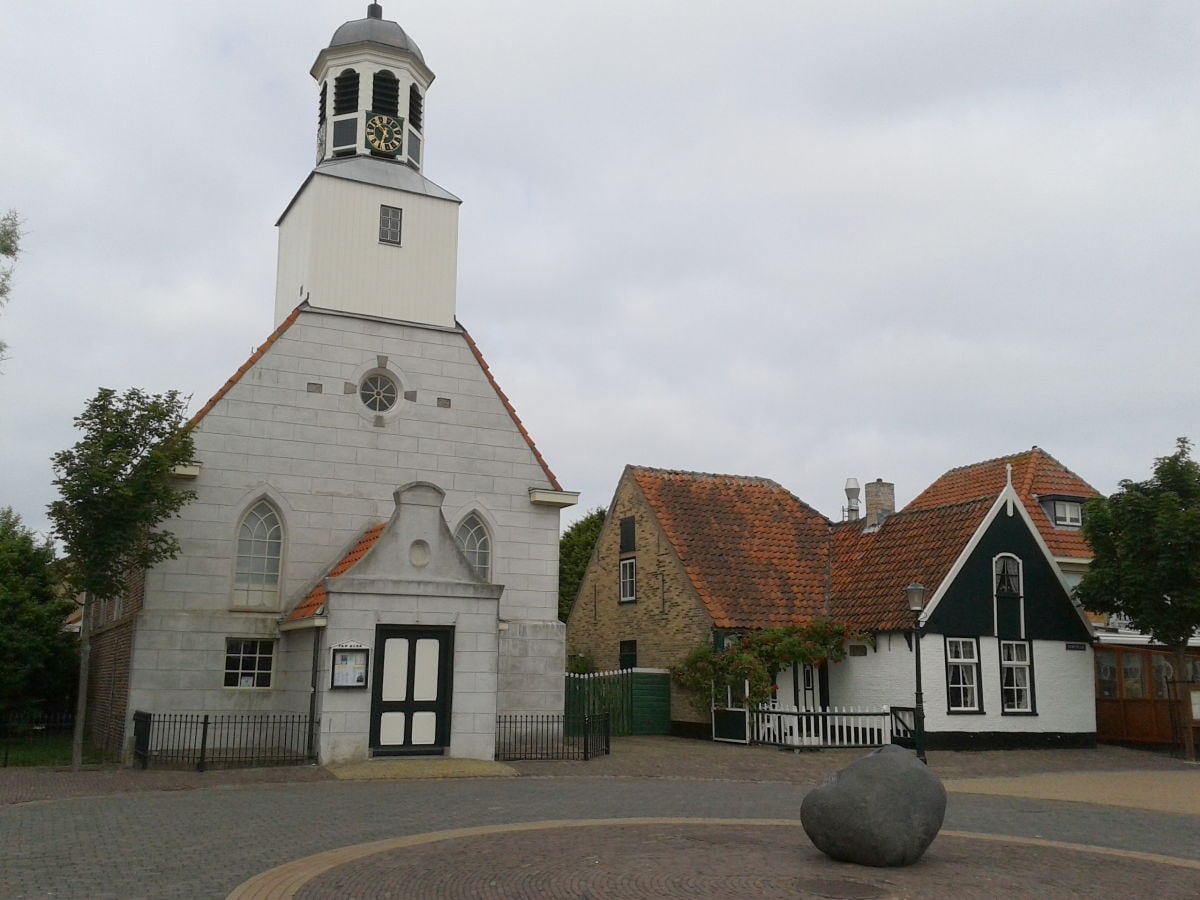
966, 608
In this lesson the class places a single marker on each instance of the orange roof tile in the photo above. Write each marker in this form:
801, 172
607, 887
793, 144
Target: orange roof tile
1035, 473
511, 410
246, 366
871, 567
314, 600
754, 552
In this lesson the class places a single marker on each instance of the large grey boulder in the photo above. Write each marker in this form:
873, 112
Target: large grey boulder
882, 810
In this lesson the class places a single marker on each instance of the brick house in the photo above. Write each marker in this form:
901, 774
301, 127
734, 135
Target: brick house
374, 539
686, 557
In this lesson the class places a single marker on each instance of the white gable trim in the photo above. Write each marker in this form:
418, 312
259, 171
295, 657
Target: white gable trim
1008, 500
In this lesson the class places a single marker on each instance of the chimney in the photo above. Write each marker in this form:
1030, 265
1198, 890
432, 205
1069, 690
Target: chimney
881, 501
851, 499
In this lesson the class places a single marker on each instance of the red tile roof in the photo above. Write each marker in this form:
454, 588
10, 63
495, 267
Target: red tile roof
1035, 473
314, 602
754, 553
246, 366
872, 567
511, 411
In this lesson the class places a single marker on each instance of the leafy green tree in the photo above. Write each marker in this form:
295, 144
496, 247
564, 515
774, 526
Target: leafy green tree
37, 658
574, 552
758, 656
1146, 558
10, 245
116, 489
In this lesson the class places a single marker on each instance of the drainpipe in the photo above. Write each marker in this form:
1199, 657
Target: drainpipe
312, 696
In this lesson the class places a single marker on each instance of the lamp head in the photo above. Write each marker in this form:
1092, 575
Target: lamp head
916, 597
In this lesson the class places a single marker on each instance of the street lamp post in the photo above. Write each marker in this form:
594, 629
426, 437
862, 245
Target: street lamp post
916, 602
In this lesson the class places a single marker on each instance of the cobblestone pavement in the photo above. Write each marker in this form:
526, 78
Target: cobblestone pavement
124, 833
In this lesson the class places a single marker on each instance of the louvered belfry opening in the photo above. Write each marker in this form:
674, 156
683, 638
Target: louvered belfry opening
345, 93
385, 94
321, 102
416, 107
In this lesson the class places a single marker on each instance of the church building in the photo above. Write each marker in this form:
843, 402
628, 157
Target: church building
374, 540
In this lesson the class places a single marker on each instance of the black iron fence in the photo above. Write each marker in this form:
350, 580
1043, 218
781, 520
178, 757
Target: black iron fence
553, 736
36, 740
221, 741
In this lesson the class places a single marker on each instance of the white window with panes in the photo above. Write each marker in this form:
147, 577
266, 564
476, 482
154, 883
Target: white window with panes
1068, 512
1016, 677
259, 559
628, 580
962, 674
472, 538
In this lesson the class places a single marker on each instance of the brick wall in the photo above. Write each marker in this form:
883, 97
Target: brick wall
667, 620
111, 640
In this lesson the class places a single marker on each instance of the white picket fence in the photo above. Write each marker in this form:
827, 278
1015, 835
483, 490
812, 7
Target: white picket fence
784, 726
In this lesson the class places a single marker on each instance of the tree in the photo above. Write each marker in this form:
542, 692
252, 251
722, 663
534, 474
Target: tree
10, 245
758, 656
116, 489
37, 658
574, 552
1146, 558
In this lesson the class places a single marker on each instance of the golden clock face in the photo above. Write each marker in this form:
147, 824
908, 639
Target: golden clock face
384, 134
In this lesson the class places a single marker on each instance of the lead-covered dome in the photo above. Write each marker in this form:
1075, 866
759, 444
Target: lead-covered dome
376, 30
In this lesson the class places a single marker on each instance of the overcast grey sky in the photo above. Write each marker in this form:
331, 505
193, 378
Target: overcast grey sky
798, 240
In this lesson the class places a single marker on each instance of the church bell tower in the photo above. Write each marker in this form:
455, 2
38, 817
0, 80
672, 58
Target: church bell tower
368, 233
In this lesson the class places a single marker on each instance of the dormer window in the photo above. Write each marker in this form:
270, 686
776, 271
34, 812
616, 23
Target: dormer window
1068, 513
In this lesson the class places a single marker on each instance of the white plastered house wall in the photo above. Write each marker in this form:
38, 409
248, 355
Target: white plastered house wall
1063, 671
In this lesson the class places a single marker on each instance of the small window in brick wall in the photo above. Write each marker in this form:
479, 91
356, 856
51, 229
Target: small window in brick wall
628, 534
628, 564
627, 658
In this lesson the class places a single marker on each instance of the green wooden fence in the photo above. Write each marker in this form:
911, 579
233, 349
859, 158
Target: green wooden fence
638, 701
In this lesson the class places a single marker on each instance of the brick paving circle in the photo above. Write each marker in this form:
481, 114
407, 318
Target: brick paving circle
708, 860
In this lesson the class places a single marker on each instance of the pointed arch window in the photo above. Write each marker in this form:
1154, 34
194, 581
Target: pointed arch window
473, 539
259, 555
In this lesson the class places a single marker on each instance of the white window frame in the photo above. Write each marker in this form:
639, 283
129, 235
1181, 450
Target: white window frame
965, 669
1016, 665
628, 579
258, 560
247, 672
475, 543
1003, 558
1068, 513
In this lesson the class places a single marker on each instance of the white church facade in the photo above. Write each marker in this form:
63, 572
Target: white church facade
374, 540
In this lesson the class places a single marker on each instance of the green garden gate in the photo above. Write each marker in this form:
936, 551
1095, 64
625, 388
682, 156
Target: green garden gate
638, 701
